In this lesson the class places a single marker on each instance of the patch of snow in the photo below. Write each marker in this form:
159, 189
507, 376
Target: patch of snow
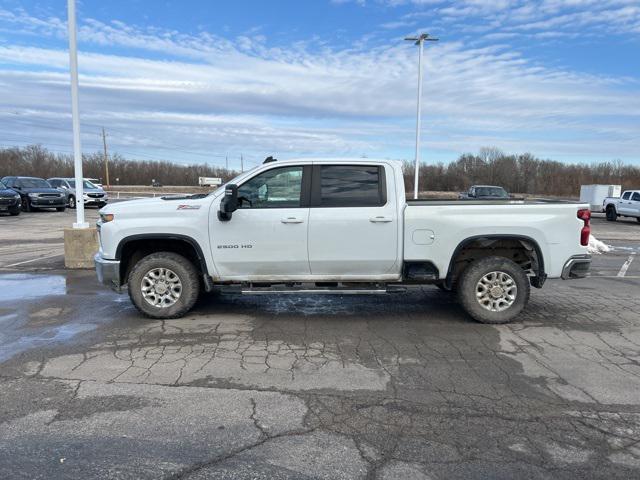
596, 246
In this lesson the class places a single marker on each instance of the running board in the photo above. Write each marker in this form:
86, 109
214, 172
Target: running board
315, 291
310, 290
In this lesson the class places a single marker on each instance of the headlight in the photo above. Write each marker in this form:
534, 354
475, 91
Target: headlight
33, 195
16, 196
107, 217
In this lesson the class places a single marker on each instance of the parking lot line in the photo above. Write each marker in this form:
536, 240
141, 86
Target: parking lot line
33, 260
625, 266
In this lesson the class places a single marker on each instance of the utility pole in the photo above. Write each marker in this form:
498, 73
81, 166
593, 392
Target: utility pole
75, 116
419, 40
226, 162
241, 164
106, 156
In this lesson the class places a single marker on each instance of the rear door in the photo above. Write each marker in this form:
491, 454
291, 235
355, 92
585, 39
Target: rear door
353, 224
267, 236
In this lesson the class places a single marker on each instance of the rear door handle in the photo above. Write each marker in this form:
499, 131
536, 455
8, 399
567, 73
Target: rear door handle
291, 220
380, 219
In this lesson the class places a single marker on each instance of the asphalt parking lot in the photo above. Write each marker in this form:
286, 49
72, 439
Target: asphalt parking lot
390, 387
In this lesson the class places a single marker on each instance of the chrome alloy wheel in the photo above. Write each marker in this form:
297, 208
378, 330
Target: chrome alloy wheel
161, 287
496, 291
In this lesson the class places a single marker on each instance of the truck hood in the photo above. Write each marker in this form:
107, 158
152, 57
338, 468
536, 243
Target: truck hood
145, 207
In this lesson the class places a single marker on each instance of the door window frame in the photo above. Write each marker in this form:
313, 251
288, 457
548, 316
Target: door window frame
316, 192
305, 188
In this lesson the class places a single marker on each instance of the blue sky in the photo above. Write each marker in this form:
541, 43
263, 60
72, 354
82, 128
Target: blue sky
202, 81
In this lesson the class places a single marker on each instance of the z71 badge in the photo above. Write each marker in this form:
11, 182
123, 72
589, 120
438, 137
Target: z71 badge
188, 207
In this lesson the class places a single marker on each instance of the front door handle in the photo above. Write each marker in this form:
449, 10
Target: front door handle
380, 219
291, 220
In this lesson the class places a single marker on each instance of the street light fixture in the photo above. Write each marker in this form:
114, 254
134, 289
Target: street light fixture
419, 40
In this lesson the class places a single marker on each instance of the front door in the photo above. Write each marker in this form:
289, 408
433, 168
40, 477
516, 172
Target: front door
353, 222
267, 236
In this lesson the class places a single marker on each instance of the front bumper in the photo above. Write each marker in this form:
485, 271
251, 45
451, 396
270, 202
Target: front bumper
45, 202
9, 203
577, 266
108, 272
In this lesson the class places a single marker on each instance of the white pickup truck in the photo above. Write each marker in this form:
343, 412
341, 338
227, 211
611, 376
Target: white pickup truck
628, 205
337, 226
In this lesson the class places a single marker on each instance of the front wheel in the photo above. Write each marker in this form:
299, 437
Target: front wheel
60, 209
72, 201
493, 290
612, 216
164, 285
14, 211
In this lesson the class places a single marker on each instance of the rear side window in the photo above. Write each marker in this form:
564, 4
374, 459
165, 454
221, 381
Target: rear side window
636, 197
626, 195
350, 186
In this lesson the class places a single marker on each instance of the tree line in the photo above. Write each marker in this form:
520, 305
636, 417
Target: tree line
521, 173
37, 161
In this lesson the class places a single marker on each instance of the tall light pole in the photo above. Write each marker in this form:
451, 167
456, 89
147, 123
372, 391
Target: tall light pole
75, 115
419, 40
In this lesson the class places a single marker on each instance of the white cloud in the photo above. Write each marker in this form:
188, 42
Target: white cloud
209, 94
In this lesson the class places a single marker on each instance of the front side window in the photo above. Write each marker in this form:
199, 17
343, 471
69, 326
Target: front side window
275, 188
350, 186
626, 195
636, 197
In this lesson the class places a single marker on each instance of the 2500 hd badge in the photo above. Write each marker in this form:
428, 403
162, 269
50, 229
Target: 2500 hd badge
236, 246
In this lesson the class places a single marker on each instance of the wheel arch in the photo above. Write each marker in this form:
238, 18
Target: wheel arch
538, 269
134, 247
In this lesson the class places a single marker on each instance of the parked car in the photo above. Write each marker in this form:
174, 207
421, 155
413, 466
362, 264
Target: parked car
36, 193
331, 226
484, 192
92, 194
9, 200
628, 205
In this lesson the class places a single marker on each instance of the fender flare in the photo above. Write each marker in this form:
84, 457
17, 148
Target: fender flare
165, 236
540, 274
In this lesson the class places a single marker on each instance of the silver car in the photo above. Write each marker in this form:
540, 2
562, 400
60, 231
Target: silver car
92, 194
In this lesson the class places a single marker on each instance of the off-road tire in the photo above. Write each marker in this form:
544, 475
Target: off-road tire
471, 276
611, 214
182, 267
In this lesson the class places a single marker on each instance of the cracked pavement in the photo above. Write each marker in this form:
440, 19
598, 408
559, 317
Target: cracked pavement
403, 386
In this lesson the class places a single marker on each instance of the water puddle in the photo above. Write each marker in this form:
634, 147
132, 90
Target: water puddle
20, 286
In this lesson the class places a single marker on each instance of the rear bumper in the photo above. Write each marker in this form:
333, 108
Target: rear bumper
577, 266
108, 272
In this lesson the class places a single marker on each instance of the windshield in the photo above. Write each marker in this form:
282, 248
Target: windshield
85, 184
34, 183
498, 192
2, 186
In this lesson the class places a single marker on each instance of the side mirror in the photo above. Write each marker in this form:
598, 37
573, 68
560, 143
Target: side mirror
229, 203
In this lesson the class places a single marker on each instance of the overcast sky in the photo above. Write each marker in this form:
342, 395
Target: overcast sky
195, 81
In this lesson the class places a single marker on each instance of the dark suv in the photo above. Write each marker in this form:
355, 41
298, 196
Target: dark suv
36, 193
9, 200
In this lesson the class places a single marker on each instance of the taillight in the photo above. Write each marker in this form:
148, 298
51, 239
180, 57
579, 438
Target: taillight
585, 215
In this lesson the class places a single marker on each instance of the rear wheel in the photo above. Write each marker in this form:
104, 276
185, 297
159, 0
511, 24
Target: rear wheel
612, 216
164, 285
493, 290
